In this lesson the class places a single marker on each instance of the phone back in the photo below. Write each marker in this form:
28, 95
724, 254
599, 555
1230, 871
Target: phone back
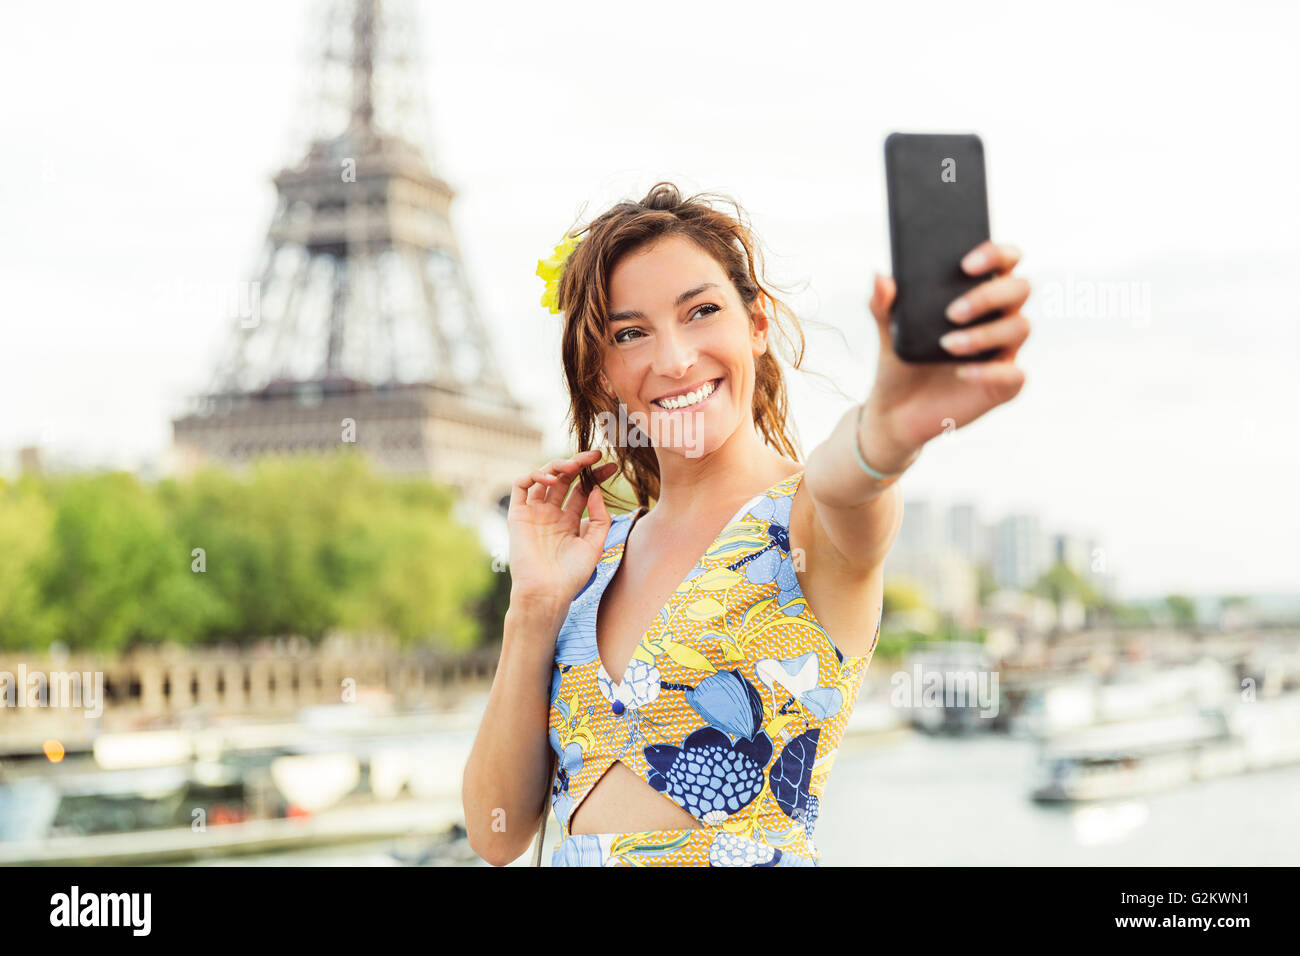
938, 212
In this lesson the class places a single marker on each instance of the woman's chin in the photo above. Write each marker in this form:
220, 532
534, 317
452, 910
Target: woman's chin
691, 436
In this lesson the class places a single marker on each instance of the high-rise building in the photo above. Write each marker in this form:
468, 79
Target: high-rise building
1021, 553
925, 554
965, 532
922, 527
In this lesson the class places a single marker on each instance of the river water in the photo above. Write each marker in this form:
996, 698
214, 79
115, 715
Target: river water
921, 800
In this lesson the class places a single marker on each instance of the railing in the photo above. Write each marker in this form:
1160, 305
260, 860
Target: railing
267, 679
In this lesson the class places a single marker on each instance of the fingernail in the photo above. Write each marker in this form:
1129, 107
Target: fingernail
954, 341
958, 310
973, 261
969, 372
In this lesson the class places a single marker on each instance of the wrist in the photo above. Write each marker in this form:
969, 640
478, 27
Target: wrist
529, 634
532, 609
879, 443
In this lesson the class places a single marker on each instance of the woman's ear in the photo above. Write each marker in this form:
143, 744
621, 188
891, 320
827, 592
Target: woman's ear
608, 387
758, 333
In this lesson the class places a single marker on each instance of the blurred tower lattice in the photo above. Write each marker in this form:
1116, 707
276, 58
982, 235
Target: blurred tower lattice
360, 325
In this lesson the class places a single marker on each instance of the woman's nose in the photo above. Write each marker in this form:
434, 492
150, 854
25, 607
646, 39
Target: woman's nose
673, 356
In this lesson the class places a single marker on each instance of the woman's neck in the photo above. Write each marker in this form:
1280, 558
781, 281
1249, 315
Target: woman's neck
695, 490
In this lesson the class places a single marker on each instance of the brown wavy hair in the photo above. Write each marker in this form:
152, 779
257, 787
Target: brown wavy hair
583, 297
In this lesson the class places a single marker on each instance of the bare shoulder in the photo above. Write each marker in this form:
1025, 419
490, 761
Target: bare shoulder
846, 599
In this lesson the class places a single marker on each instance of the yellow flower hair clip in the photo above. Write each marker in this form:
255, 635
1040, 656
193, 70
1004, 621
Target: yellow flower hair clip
551, 269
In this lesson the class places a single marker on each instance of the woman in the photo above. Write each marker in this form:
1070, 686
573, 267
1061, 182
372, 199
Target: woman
712, 745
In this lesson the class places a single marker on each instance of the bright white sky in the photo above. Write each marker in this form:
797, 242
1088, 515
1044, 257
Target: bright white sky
1125, 143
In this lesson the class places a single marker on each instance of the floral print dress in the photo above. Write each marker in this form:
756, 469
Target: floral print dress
732, 705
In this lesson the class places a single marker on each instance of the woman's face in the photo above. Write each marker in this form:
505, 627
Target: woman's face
677, 329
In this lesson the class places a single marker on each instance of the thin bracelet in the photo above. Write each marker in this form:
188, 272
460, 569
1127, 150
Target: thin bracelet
857, 451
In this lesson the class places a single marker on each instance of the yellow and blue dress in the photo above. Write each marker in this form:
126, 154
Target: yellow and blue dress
732, 705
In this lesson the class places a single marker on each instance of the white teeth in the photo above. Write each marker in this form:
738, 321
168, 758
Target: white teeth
689, 399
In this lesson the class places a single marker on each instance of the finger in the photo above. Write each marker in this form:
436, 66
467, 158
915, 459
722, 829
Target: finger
554, 475
1009, 332
1003, 379
578, 501
597, 529
565, 471
882, 300
1005, 294
988, 256
519, 491
542, 481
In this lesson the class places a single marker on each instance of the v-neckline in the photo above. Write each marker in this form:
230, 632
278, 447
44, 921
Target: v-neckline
618, 564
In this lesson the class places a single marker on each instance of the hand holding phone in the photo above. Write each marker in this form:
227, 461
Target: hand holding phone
938, 216
938, 212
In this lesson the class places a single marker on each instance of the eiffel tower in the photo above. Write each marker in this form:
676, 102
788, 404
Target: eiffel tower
361, 325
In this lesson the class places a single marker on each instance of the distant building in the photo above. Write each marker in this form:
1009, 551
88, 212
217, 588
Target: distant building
949, 582
925, 554
966, 533
941, 550
1021, 552
922, 529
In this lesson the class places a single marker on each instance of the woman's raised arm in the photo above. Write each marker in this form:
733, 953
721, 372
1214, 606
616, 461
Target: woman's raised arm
911, 403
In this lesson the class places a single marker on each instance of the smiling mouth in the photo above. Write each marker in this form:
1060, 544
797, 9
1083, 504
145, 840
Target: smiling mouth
689, 400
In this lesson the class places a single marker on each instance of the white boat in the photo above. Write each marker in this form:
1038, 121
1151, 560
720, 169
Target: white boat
1057, 705
185, 844
1269, 728
338, 774
1125, 759
1143, 756
315, 782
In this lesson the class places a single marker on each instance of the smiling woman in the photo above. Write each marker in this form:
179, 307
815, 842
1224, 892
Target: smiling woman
696, 699
601, 292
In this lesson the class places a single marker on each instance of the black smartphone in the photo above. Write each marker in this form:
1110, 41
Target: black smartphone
938, 212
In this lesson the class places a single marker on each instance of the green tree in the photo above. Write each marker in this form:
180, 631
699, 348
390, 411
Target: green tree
1061, 582
986, 584
300, 546
115, 571
26, 528
1128, 615
1230, 601
430, 575
901, 594
1182, 609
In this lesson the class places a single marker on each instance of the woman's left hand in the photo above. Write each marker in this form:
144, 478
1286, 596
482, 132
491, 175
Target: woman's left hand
910, 403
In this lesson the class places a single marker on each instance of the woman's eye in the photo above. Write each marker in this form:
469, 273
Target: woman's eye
623, 336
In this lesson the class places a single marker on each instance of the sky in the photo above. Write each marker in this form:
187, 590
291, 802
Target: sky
1138, 154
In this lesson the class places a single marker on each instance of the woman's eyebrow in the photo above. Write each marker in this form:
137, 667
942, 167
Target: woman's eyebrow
686, 296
